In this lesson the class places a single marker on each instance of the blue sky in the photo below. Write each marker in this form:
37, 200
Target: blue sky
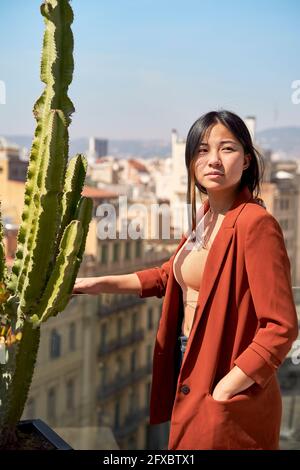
143, 67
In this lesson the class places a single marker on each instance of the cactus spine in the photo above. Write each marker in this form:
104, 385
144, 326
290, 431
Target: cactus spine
55, 220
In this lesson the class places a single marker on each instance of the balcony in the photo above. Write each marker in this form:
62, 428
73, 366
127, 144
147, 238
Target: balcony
122, 342
122, 382
106, 310
131, 422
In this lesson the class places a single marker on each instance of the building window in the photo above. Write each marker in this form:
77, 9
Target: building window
30, 408
127, 250
51, 404
149, 354
134, 323
133, 361
103, 334
103, 375
131, 404
150, 318
70, 395
119, 367
284, 204
104, 254
138, 248
119, 328
72, 336
116, 252
55, 344
134, 400
117, 415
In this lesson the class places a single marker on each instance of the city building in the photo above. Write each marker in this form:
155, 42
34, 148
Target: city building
12, 176
97, 148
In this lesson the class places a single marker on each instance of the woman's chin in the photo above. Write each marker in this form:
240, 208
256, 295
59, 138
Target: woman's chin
213, 185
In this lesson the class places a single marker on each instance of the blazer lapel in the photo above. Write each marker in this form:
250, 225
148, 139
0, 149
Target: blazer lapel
216, 256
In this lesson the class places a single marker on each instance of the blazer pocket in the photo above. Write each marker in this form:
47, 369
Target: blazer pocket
242, 397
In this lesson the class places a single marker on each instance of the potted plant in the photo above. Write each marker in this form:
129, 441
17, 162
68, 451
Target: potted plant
54, 227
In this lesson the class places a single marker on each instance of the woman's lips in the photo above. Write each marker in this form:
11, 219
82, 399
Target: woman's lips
214, 176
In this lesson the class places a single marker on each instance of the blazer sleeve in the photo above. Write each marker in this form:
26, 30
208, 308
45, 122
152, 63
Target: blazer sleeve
154, 280
269, 277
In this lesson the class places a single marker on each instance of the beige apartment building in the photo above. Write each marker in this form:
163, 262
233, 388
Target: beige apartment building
12, 177
64, 376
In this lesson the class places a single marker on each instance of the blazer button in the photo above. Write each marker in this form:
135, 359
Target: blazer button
185, 389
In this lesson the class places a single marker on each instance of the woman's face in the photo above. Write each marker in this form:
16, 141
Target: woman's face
220, 152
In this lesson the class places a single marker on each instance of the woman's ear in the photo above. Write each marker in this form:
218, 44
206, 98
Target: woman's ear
247, 159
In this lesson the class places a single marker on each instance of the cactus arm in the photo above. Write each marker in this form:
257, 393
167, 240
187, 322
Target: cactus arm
58, 290
75, 176
84, 213
58, 284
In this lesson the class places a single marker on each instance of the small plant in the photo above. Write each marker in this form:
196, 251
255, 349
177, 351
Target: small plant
54, 227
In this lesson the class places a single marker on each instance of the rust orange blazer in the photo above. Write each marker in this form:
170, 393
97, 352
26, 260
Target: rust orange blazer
245, 316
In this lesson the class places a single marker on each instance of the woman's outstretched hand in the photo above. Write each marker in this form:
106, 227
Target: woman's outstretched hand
87, 285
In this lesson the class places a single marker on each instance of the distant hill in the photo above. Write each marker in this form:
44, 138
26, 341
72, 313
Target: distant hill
118, 148
283, 140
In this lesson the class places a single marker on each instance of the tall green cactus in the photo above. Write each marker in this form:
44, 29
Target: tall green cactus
55, 221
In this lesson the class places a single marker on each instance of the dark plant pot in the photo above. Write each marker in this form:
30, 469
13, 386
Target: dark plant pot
39, 436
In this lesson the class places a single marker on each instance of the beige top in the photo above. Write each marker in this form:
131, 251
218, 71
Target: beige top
188, 268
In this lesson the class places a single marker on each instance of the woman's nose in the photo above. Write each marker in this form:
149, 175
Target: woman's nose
214, 157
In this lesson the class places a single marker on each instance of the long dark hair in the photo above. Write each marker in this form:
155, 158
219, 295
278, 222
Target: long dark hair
251, 177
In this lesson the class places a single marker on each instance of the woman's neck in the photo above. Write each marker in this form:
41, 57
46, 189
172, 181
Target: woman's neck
221, 201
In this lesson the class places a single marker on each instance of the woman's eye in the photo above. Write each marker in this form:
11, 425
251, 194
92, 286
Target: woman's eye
228, 148
202, 150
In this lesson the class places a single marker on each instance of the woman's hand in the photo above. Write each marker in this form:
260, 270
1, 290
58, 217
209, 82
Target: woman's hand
87, 285
232, 383
220, 393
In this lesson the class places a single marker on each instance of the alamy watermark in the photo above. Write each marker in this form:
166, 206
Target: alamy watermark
2, 92
295, 355
295, 97
151, 221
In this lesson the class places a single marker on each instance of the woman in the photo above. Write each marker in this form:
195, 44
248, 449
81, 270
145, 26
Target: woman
227, 297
